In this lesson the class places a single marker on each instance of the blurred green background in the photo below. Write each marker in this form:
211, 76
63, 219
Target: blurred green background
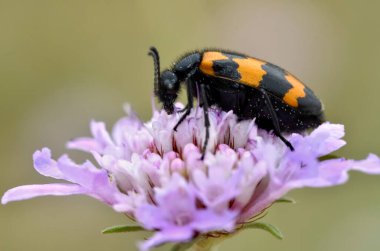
63, 63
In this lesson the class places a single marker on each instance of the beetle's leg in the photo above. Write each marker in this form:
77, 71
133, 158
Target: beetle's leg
206, 118
276, 125
189, 105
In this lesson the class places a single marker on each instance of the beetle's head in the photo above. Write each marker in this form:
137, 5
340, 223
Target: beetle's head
166, 84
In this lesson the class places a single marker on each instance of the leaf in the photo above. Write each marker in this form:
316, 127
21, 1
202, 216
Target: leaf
122, 229
285, 200
267, 227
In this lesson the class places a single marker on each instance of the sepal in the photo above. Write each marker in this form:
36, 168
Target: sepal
122, 229
265, 226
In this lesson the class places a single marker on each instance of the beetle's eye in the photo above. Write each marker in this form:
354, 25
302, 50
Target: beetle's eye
169, 80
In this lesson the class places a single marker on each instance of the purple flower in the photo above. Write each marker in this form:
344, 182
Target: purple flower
156, 176
177, 216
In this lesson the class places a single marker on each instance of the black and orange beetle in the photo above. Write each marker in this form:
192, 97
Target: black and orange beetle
251, 87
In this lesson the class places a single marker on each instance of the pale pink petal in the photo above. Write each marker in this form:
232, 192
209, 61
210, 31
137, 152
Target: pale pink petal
370, 165
100, 134
32, 191
85, 144
170, 235
45, 165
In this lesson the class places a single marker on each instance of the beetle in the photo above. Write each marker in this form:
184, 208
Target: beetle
250, 87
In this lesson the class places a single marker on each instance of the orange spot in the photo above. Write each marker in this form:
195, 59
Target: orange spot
208, 61
250, 70
291, 97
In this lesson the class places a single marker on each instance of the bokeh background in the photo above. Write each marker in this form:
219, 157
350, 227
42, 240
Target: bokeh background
63, 63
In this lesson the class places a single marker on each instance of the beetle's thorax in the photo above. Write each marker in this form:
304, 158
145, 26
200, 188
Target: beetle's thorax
187, 65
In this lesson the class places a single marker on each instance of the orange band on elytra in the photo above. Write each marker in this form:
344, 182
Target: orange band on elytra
208, 61
250, 70
297, 91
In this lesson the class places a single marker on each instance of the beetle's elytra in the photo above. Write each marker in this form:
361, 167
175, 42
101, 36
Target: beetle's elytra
252, 88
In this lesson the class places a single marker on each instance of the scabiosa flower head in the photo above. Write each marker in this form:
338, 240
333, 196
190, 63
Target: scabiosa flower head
156, 175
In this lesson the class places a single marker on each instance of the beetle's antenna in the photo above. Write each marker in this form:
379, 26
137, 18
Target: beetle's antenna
156, 60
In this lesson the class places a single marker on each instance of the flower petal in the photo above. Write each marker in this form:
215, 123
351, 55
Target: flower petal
370, 165
171, 235
95, 181
85, 144
32, 191
100, 134
45, 165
